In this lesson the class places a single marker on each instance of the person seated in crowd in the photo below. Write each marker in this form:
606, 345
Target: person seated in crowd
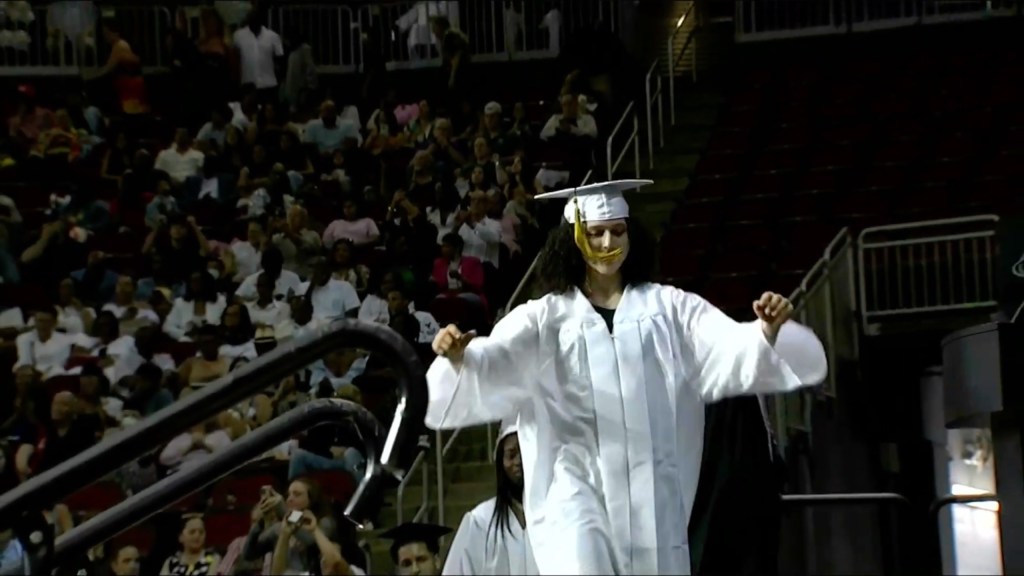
201, 305
456, 275
331, 297
267, 311
283, 282
177, 248
353, 226
329, 132
44, 348
62, 436
162, 206
130, 311
297, 242
180, 160
193, 557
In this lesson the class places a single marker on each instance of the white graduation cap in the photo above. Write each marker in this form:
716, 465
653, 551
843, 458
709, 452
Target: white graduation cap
598, 202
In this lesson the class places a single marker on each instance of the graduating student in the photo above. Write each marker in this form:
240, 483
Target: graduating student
609, 374
416, 548
492, 538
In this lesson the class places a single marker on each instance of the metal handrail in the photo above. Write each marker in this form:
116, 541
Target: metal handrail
128, 445
650, 99
400, 496
139, 507
949, 499
633, 140
671, 58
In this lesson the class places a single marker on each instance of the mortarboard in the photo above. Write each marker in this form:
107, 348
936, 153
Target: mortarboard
412, 532
600, 202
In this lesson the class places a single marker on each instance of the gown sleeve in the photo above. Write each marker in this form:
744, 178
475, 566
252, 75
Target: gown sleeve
496, 375
732, 358
465, 550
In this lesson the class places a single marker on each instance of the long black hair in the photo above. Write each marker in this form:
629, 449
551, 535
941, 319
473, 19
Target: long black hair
508, 494
561, 266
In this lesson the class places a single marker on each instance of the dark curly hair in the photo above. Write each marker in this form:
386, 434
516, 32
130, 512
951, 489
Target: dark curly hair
562, 267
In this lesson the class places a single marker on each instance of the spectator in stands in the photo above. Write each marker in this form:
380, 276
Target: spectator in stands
353, 226
296, 241
14, 560
45, 349
570, 122
283, 282
330, 297
345, 267
162, 206
96, 407
25, 407
300, 81
124, 68
193, 558
329, 132
456, 275
50, 258
147, 392
178, 247
57, 146
400, 316
303, 554
201, 305
180, 160
504, 143
265, 311
125, 561
455, 61
444, 149
211, 135
487, 162
131, 312
416, 548
237, 334
248, 253
193, 446
73, 317
259, 50
61, 437
212, 71
419, 132
329, 552
481, 234
29, 121
118, 157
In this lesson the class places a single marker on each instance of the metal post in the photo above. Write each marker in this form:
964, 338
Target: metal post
650, 121
661, 116
440, 476
671, 80
636, 144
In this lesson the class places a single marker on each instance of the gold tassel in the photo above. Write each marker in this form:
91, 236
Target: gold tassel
580, 235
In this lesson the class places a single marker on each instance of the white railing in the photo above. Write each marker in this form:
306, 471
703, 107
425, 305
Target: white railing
672, 58
421, 512
497, 30
633, 140
825, 301
333, 31
758, 20
62, 39
923, 267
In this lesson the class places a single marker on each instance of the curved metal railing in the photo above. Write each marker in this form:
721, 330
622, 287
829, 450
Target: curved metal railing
386, 454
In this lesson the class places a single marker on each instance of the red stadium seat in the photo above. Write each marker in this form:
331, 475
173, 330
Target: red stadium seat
751, 235
710, 187
777, 161
718, 165
754, 208
729, 141
95, 497
737, 261
819, 181
898, 153
854, 133
451, 311
955, 147
942, 173
691, 237
1004, 167
241, 490
790, 137
337, 485
832, 157
765, 185
883, 177
732, 291
864, 202
803, 204
223, 527
698, 211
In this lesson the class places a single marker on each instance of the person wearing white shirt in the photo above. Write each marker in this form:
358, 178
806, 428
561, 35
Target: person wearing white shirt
258, 48
247, 253
44, 348
13, 558
272, 264
200, 305
331, 298
570, 121
481, 234
180, 160
130, 313
265, 311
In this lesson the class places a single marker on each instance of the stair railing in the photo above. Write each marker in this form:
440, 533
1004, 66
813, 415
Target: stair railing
633, 140
651, 99
672, 58
926, 267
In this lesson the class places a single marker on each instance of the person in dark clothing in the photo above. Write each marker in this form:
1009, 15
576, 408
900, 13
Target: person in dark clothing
737, 513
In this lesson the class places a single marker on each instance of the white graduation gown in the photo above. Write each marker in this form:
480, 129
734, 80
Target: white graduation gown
481, 549
611, 426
